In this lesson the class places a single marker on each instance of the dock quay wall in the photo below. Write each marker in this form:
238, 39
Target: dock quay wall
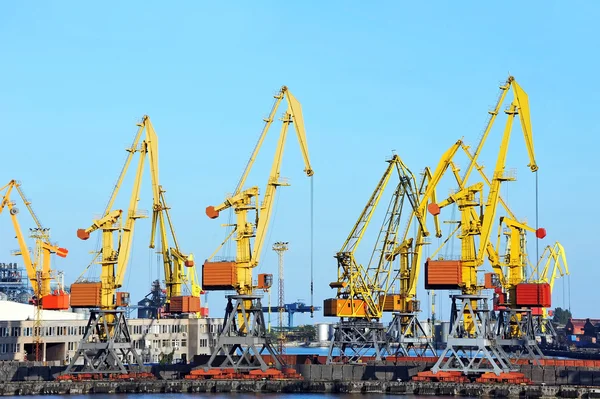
246, 386
548, 375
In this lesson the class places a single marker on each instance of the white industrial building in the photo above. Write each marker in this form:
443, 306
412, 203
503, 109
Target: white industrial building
62, 331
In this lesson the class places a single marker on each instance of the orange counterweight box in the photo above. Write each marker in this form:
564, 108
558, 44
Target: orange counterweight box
219, 276
86, 295
443, 274
344, 307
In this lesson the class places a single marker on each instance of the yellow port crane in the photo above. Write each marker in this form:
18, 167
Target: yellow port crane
470, 318
107, 334
554, 261
245, 317
179, 269
362, 290
38, 268
508, 269
406, 333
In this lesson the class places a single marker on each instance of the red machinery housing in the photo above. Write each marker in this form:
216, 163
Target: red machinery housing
534, 295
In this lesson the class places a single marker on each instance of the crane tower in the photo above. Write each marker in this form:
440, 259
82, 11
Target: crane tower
280, 248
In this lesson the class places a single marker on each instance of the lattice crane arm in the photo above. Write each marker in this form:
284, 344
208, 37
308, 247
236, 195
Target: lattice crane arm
410, 266
357, 232
363, 289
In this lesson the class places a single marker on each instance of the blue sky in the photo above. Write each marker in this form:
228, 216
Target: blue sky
371, 79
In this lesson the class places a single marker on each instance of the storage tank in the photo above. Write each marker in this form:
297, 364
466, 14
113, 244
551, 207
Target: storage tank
441, 332
85, 312
426, 328
323, 334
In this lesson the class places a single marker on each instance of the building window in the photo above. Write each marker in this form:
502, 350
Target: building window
203, 343
183, 343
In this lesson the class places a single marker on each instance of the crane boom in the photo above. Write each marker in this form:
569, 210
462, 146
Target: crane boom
244, 200
38, 268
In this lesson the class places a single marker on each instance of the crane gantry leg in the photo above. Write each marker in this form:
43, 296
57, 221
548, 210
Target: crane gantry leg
472, 350
354, 338
516, 334
407, 337
107, 337
545, 331
243, 346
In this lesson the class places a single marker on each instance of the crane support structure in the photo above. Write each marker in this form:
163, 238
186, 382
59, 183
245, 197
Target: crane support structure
244, 338
472, 335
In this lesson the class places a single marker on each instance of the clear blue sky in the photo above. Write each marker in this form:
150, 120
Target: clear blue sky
372, 78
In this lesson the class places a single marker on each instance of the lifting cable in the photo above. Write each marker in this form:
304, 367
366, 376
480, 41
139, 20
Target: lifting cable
312, 234
537, 226
569, 286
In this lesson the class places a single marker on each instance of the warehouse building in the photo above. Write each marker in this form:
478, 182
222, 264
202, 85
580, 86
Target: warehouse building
62, 332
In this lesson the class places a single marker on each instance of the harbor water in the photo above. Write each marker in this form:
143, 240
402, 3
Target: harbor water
226, 396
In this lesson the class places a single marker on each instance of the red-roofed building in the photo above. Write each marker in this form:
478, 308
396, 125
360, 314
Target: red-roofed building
588, 327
